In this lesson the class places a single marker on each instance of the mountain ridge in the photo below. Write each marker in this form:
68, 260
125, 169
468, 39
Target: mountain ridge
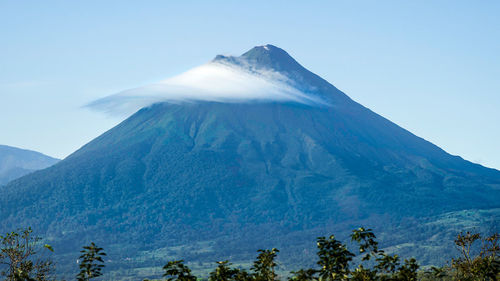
16, 162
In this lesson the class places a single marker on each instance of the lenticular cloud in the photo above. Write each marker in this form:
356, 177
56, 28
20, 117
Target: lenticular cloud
214, 81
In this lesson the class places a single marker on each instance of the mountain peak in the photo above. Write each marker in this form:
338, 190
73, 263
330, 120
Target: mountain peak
264, 73
265, 56
270, 56
266, 50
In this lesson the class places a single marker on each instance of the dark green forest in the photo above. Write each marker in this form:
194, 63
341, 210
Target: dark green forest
23, 256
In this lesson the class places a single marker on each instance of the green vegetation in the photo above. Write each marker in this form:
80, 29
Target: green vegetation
91, 262
265, 265
176, 270
206, 182
20, 260
21, 257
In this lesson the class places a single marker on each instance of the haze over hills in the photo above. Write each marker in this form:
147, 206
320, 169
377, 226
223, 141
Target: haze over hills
16, 162
216, 176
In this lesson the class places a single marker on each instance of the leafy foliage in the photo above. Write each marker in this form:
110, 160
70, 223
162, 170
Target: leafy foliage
485, 265
91, 262
19, 257
19, 253
176, 270
334, 259
265, 264
223, 272
366, 240
303, 275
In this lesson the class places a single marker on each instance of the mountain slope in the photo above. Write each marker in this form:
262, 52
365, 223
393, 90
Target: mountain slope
16, 162
221, 180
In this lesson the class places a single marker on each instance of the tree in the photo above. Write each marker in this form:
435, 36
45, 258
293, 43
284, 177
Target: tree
18, 257
176, 270
264, 266
387, 267
368, 246
304, 275
363, 274
223, 272
483, 266
243, 275
435, 273
408, 271
91, 262
334, 259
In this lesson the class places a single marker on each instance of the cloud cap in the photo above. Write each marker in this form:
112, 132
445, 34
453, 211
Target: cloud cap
253, 77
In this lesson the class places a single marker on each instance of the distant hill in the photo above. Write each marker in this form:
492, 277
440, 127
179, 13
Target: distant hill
209, 181
16, 162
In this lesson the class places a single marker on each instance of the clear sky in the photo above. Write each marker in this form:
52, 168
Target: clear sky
432, 67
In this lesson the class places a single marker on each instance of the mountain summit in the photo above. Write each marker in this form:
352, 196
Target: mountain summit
271, 57
263, 74
220, 178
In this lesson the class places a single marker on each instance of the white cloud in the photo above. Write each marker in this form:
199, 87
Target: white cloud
215, 81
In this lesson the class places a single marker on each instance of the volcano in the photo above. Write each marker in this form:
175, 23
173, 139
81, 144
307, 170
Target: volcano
214, 179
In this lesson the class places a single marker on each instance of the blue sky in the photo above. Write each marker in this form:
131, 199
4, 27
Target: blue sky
432, 67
